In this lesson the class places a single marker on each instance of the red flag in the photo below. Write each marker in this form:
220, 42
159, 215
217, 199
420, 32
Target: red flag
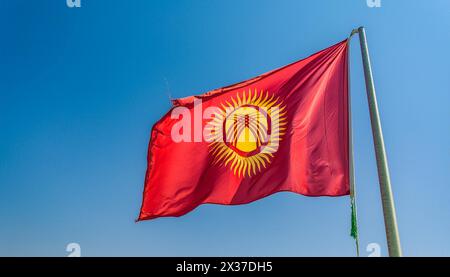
285, 130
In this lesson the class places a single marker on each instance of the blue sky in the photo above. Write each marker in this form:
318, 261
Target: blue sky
81, 88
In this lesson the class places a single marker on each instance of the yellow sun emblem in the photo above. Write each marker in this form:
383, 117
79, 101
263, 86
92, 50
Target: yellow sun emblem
245, 132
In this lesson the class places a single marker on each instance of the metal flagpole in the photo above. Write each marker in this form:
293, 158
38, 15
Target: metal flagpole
354, 222
387, 199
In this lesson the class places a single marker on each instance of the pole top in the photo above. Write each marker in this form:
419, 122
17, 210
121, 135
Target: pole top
354, 31
358, 30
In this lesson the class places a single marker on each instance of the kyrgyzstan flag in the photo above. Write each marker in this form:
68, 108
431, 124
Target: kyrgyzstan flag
285, 130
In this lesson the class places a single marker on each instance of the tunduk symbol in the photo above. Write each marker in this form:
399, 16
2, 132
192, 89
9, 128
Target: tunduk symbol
245, 133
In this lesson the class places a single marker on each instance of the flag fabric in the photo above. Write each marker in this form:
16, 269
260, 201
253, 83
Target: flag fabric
285, 130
